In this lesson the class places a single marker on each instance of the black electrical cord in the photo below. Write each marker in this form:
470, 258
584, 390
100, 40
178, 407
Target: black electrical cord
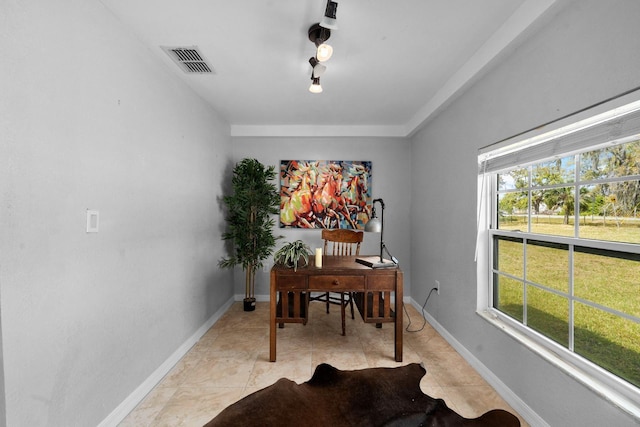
424, 317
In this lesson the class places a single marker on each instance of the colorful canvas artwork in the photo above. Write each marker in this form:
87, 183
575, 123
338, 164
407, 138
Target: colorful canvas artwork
325, 194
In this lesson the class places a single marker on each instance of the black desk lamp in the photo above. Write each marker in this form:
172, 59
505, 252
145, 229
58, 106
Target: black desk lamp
376, 225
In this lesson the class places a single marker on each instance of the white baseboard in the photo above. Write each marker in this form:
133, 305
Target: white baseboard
505, 392
129, 404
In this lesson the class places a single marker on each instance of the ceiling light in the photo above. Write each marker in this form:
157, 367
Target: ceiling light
315, 85
329, 19
324, 52
318, 68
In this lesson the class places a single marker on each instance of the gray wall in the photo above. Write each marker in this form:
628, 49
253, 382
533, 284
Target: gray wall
588, 52
86, 318
90, 120
391, 158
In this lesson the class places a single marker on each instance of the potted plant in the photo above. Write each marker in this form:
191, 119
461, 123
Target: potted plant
250, 209
292, 253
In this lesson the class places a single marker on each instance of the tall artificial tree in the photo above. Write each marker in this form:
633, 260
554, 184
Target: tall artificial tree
250, 222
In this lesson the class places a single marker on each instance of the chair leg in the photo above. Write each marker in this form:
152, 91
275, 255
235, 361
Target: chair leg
342, 304
307, 298
351, 305
327, 298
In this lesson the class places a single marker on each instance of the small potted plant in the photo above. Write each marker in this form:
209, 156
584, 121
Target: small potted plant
292, 254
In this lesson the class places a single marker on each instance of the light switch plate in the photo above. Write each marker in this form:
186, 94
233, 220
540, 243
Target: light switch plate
93, 221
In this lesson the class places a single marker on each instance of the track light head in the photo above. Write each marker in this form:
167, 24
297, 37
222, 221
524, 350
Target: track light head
315, 85
329, 19
318, 68
324, 52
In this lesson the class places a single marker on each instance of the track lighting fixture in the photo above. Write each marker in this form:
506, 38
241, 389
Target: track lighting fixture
329, 19
319, 33
315, 85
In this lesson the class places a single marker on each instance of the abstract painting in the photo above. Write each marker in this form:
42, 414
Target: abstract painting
325, 193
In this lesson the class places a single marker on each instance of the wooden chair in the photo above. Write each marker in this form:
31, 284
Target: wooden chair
346, 243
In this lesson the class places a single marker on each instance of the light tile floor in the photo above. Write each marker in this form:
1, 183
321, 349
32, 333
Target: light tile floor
232, 360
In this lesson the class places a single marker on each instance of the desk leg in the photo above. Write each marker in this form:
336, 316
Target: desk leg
399, 322
272, 320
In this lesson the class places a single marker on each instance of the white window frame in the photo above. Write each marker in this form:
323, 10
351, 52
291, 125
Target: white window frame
532, 144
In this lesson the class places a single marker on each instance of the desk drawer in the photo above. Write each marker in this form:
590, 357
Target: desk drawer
381, 283
337, 283
288, 282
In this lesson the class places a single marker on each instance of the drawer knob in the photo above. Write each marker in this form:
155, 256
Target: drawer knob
336, 282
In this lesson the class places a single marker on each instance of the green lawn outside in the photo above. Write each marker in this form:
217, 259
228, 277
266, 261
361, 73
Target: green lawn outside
611, 341
625, 230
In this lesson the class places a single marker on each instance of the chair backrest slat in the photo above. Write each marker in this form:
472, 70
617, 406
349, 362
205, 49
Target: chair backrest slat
342, 242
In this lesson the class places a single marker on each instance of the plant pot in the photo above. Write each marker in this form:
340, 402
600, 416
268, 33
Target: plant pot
249, 304
293, 255
300, 264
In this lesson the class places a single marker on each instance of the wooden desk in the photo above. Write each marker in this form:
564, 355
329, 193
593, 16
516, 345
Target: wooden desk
337, 274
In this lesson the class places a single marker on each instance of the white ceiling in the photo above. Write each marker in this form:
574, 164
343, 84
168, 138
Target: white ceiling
395, 63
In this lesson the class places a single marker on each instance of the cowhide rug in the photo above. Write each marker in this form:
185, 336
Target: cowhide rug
389, 397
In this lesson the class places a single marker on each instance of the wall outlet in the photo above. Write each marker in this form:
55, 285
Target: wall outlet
438, 287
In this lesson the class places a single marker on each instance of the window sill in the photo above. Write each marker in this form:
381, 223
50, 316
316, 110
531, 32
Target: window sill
610, 388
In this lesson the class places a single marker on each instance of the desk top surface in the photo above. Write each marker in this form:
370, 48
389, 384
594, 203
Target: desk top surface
335, 264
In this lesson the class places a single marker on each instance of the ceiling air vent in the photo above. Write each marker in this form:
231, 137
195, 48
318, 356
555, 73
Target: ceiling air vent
189, 59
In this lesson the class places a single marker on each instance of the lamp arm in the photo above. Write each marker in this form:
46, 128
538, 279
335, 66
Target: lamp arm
378, 200
381, 228
383, 247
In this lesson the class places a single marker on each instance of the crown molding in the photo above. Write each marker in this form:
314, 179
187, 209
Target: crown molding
317, 131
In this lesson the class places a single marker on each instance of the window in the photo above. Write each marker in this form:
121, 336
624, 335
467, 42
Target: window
561, 215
